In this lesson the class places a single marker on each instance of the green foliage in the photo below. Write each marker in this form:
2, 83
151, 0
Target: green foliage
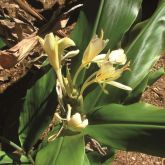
64, 150
2, 43
135, 95
38, 109
132, 127
106, 16
10, 159
142, 54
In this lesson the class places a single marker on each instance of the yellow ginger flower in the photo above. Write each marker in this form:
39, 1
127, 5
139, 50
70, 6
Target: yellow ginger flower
114, 57
107, 74
95, 46
76, 123
117, 57
54, 48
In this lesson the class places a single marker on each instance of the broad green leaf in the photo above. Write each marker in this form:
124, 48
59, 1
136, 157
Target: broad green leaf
155, 75
133, 33
12, 101
38, 109
64, 150
161, 1
8, 158
114, 17
135, 95
143, 52
86, 160
137, 127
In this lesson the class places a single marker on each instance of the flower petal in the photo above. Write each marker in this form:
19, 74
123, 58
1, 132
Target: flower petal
75, 120
106, 71
71, 54
118, 57
99, 58
119, 85
95, 46
50, 43
51, 49
83, 124
64, 43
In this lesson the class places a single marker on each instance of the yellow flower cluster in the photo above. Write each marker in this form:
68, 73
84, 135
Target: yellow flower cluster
108, 72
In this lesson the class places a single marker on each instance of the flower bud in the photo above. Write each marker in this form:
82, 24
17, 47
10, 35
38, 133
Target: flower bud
117, 57
76, 123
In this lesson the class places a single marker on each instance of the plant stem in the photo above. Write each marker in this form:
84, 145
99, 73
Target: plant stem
90, 77
30, 159
98, 17
69, 112
85, 85
3, 139
59, 76
76, 74
53, 137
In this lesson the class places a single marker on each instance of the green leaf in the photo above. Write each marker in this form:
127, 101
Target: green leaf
114, 17
2, 43
135, 95
64, 150
145, 50
155, 75
97, 159
12, 101
133, 33
86, 161
137, 127
38, 109
8, 158
94, 158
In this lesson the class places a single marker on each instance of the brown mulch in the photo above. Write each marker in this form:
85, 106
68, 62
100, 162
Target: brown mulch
156, 93
135, 158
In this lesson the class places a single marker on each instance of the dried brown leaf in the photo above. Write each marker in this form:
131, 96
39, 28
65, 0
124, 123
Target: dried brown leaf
24, 5
14, 55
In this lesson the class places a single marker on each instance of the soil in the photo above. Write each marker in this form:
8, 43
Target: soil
154, 95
